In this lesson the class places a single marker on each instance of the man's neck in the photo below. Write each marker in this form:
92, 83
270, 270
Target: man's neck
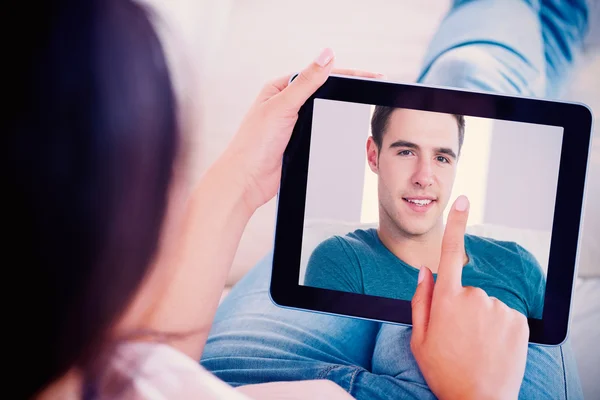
416, 251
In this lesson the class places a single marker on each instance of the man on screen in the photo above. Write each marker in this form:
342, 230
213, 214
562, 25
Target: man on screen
415, 154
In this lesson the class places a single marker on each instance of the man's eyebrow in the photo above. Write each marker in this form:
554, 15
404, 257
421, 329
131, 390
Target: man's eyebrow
447, 151
442, 150
404, 143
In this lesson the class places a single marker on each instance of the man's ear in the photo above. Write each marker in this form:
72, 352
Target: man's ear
372, 154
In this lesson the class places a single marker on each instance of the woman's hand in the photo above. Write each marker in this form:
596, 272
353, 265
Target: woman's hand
257, 148
467, 344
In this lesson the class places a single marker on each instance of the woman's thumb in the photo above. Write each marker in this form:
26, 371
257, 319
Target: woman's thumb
421, 306
308, 81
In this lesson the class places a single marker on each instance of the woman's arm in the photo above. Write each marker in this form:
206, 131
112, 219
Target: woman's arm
203, 245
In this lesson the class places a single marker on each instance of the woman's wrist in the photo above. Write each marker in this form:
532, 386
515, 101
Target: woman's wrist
230, 176
242, 173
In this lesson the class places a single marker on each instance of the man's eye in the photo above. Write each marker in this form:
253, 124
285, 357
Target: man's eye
443, 159
405, 153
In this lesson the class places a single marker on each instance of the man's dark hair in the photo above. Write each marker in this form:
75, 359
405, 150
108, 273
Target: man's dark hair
381, 116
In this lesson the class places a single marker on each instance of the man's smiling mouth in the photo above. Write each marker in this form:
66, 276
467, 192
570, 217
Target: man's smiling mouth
420, 200
419, 204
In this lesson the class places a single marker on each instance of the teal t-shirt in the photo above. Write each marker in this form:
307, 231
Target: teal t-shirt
360, 263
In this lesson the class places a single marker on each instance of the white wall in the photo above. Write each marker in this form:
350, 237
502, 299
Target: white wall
337, 153
472, 169
523, 175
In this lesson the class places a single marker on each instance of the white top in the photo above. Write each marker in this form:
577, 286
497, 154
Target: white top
155, 371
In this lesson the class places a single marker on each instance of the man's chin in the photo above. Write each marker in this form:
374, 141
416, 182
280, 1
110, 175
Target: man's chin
418, 232
415, 231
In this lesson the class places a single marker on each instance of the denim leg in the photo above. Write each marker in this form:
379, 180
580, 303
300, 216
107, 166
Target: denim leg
474, 48
254, 341
564, 28
508, 46
550, 373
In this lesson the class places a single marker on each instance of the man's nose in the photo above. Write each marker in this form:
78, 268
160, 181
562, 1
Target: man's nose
423, 176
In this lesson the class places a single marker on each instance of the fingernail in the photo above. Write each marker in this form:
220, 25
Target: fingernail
325, 57
421, 275
462, 203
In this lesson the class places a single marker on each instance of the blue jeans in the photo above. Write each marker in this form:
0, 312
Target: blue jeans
254, 341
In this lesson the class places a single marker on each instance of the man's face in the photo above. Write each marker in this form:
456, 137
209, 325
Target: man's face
416, 167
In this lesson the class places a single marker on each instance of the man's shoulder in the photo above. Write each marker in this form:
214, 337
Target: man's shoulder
346, 251
501, 252
361, 235
359, 238
490, 247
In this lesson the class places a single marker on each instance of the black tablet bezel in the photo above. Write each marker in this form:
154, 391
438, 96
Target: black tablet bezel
576, 120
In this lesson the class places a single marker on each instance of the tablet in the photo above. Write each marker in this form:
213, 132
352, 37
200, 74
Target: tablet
372, 169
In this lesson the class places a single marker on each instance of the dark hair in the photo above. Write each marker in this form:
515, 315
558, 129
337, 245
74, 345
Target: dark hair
381, 116
89, 143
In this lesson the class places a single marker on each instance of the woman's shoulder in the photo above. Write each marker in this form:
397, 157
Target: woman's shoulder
157, 371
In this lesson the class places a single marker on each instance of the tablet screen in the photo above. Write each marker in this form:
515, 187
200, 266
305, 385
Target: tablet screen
381, 181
